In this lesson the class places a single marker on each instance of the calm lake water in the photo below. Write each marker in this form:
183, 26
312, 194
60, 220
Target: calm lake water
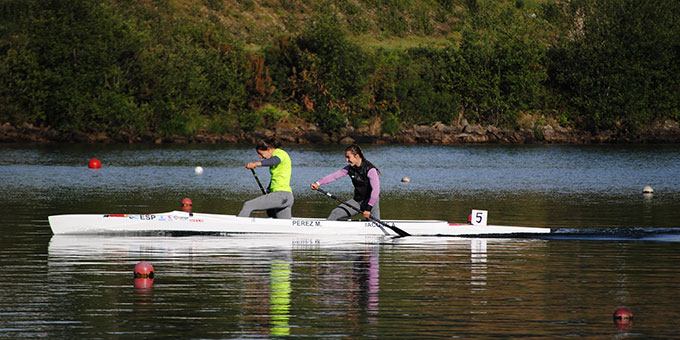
614, 246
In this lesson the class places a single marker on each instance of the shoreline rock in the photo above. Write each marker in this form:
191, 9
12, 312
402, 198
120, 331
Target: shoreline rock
667, 131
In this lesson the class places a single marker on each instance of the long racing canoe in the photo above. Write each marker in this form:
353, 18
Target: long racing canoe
202, 223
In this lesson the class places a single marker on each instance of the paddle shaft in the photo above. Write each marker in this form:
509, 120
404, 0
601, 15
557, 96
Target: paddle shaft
258, 181
376, 220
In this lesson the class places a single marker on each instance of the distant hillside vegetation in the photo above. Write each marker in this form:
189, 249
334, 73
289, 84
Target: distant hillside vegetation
124, 67
379, 22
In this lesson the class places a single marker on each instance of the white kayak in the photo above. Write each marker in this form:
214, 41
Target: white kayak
200, 223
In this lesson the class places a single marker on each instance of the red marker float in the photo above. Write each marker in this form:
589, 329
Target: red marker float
623, 318
144, 270
94, 164
144, 275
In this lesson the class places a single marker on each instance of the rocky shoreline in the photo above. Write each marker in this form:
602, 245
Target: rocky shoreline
299, 132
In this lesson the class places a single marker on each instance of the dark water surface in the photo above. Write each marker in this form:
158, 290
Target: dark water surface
67, 287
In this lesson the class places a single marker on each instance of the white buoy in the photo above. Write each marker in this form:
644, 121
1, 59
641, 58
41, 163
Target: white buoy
647, 190
405, 179
198, 170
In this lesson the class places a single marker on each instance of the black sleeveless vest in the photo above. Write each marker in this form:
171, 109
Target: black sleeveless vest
362, 185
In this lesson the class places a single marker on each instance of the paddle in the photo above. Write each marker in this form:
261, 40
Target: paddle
399, 232
258, 181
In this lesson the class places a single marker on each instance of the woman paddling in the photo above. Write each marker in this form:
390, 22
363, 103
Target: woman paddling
279, 199
366, 182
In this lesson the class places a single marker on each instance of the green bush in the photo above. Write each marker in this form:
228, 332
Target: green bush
341, 62
391, 125
271, 115
420, 88
489, 80
322, 70
499, 68
223, 123
621, 66
329, 119
90, 66
69, 62
249, 121
421, 21
393, 22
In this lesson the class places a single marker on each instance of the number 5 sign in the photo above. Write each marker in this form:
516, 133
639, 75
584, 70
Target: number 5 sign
479, 217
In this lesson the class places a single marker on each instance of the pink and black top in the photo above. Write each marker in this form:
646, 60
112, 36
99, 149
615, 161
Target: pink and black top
366, 183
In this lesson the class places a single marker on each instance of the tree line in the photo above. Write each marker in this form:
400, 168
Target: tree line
137, 67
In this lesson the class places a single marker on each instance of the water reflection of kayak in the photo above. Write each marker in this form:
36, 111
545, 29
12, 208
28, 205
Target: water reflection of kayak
105, 245
199, 223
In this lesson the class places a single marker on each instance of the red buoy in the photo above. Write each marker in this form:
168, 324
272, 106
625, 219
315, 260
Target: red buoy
623, 318
144, 270
94, 164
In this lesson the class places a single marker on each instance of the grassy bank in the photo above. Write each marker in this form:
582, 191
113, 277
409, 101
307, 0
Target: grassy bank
185, 66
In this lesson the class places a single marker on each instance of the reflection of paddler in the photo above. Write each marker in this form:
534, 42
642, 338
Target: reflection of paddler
279, 307
367, 276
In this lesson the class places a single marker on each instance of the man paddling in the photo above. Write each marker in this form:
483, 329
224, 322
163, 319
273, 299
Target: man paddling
366, 183
278, 200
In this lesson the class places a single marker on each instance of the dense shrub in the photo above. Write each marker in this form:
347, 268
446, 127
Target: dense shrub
86, 66
322, 70
619, 63
485, 81
67, 65
500, 70
412, 87
497, 79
